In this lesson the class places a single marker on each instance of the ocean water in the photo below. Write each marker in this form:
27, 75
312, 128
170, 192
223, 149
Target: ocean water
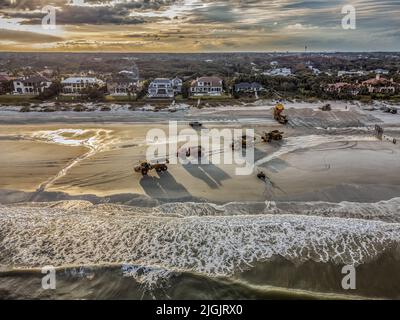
268, 250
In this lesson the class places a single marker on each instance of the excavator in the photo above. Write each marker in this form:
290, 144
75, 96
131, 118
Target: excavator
278, 114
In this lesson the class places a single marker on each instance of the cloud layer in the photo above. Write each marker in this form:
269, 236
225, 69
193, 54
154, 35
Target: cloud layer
196, 25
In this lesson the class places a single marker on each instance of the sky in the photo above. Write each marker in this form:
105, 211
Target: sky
198, 26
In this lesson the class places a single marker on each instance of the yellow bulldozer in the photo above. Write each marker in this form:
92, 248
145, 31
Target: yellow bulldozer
278, 114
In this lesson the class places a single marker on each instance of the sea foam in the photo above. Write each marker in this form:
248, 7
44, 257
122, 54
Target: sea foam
183, 238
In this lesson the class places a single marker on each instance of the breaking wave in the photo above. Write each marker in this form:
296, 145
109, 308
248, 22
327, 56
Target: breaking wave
201, 238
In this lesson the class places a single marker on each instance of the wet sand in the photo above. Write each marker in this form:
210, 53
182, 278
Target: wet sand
331, 198
303, 166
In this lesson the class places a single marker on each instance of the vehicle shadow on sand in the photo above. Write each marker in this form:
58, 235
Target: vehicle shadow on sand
209, 173
164, 186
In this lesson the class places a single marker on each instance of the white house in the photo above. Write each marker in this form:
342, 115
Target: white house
31, 85
283, 72
75, 85
206, 86
315, 71
161, 88
351, 73
381, 71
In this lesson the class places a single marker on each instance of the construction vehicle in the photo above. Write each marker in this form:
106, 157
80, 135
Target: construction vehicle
195, 124
262, 176
273, 135
145, 166
390, 110
326, 107
278, 114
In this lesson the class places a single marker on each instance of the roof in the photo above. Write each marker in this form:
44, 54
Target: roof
377, 81
121, 79
161, 80
131, 74
215, 81
80, 80
34, 79
248, 85
4, 78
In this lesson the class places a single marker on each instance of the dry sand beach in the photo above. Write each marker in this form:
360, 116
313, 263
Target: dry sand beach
70, 198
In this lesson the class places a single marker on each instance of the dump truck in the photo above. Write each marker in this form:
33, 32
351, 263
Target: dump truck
278, 114
273, 135
145, 166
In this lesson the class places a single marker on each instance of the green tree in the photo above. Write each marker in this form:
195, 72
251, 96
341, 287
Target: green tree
143, 91
94, 93
51, 92
186, 89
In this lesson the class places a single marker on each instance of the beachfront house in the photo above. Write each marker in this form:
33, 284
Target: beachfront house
121, 85
248, 87
206, 86
33, 85
161, 88
380, 84
75, 85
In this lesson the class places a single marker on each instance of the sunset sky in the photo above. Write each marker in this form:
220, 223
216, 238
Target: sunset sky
199, 26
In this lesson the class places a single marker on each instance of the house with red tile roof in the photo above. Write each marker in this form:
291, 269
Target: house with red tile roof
380, 84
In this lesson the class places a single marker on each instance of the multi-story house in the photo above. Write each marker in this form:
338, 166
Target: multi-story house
381, 85
161, 88
207, 86
75, 85
33, 85
122, 85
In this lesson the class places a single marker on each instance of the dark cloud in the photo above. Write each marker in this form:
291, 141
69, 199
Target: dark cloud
93, 13
283, 23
